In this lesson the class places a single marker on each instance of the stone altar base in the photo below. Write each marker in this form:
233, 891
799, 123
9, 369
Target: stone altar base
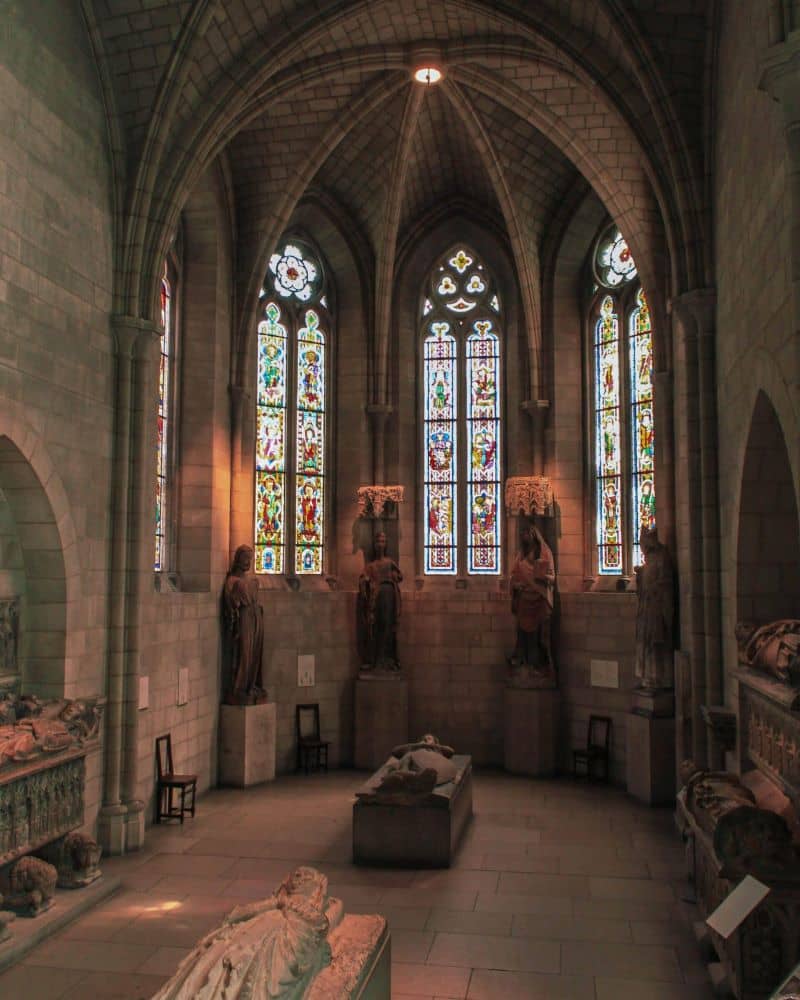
650, 758
422, 834
381, 717
531, 720
247, 744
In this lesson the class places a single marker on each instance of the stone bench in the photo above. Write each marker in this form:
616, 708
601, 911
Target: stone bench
423, 833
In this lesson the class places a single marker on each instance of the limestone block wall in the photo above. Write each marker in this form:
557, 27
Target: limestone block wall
755, 340
56, 351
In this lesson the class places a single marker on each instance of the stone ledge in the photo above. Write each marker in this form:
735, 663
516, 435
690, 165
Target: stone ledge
27, 932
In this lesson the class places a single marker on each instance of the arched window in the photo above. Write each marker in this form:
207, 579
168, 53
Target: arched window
622, 379
165, 418
461, 444
290, 415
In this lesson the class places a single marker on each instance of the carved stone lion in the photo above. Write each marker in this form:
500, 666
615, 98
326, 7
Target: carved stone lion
32, 885
77, 864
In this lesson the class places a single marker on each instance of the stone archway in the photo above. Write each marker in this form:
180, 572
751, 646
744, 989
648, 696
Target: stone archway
768, 550
33, 569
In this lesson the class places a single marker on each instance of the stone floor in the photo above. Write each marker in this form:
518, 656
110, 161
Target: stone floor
560, 890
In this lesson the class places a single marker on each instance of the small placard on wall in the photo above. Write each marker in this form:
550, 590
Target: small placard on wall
737, 906
604, 673
183, 685
306, 670
144, 693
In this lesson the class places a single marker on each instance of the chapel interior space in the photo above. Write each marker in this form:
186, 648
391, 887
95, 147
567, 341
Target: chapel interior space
152, 139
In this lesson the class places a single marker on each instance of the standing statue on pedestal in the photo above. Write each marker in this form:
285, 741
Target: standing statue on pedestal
244, 626
378, 610
655, 615
533, 581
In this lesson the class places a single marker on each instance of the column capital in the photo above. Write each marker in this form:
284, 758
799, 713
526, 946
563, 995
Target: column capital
780, 76
697, 306
133, 335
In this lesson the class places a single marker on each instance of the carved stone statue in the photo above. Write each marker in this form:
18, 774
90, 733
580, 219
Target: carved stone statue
655, 641
773, 649
269, 949
77, 863
30, 727
244, 621
32, 885
533, 580
378, 610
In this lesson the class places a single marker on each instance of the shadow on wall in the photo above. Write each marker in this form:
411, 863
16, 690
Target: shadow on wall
768, 555
32, 568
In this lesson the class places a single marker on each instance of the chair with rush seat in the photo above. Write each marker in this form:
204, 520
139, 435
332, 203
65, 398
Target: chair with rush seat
598, 739
312, 752
169, 781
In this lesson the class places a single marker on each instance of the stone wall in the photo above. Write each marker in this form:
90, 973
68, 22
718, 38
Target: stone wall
755, 344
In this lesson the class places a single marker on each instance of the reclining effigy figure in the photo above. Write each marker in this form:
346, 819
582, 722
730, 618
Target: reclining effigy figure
412, 772
269, 949
746, 838
29, 727
772, 649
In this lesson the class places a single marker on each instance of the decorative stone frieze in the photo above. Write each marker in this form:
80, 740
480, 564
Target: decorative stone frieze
529, 495
372, 500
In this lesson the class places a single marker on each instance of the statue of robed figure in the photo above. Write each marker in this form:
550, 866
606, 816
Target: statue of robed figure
244, 627
378, 610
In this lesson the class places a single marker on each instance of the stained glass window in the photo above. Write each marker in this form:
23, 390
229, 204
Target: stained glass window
483, 444
607, 444
640, 357
440, 452
623, 409
290, 417
461, 346
163, 424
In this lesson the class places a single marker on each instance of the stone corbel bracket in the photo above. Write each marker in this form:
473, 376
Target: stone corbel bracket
529, 495
373, 500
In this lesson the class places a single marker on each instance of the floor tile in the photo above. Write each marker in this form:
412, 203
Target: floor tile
99, 956
101, 986
630, 989
610, 959
493, 985
462, 922
40, 982
556, 928
483, 952
430, 980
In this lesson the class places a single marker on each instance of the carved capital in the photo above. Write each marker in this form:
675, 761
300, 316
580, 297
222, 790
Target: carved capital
780, 77
529, 495
696, 310
372, 500
134, 336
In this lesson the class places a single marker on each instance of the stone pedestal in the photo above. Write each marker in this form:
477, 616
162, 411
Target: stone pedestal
650, 749
531, 724
381, 717
247, 744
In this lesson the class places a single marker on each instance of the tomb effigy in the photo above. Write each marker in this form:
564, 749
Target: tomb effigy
414, 809
736, 825
296, 943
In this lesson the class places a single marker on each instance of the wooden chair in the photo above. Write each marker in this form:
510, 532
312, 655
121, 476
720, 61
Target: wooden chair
168, 780
598, 739
312, 752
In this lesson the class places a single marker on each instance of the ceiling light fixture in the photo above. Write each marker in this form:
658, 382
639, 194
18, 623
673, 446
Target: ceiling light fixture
427, 75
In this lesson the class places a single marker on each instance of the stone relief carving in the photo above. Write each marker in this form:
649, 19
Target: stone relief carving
772, 649
273, 949
9, 629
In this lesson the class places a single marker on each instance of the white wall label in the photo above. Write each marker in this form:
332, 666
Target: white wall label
737, 906
306, 671
183, 685
144, 693
604, 673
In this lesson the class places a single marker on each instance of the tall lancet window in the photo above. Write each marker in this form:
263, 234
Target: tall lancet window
461, 425
622, 377
165, 386
291, 457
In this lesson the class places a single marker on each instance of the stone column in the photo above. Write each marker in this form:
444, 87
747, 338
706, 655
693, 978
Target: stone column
121, 818
538, 410
696, 311
378, 414
242, 483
